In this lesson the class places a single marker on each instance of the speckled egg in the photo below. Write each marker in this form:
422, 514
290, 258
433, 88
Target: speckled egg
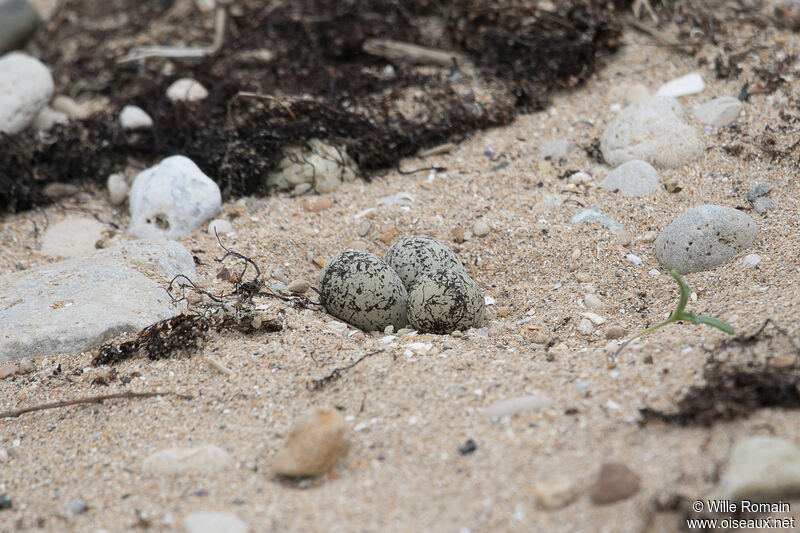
444, 301
413, 256
362, 290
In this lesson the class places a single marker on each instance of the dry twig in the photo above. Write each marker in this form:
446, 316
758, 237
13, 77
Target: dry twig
92, 399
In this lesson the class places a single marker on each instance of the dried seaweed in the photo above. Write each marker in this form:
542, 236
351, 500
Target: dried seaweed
751, 372
320, 81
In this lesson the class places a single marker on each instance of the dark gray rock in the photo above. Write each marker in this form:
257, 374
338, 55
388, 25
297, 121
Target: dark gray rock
18, 23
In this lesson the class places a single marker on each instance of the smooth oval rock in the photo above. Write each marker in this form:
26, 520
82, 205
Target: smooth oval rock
704, 237
413, 256
26, 86
205, 459
314, 444
516, 406
615, 482
634, 178
186, 90
361, 289
219, 226
685, 85
171, 199
653, 131
593, 214
444, 301
133, 117
49, 117
718, 112
117, 188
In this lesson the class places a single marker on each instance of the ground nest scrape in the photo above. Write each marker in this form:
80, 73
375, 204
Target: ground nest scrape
315, 80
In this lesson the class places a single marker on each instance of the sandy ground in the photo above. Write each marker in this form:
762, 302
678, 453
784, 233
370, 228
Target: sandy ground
403, 471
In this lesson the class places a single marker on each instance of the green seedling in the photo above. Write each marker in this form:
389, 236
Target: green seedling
679, 315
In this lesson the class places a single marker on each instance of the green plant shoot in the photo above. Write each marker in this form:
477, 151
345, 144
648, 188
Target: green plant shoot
680, 314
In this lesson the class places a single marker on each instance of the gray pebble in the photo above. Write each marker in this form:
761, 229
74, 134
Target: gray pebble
585, 327
413, 256
278, 274
593, 302
299, 286
481, 228
751, 260
633, 178
445, 300
77, 507
18, 22
363, 290
555, 148
719, 111
759, 190
704, 237
764, 204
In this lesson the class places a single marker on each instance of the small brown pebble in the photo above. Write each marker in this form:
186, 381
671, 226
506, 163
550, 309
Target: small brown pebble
299, 286
615, 332
502, 311
319, 261
60, 190
673, 187
648, 359
387, 237
614, 483
320, 203
314, 444
583, 277
7, 370
26, 366
648, 236
458, 234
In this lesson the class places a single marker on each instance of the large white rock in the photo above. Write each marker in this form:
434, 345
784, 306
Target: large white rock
25, 88
172, 199
634, 178
653, 131
761, 469
719, 111
704, 237
74, 306
161, 260
71, 237
321, 164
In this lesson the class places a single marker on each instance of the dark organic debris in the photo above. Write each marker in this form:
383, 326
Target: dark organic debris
317, 80
321, 383
749, 372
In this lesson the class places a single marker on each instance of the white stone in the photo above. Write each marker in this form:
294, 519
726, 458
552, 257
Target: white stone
635, 259
75, 305
593, 214
689, 84
25, 88
186, 90
209, 522
633, 178
585, 327
481, 228
580, 178
72, 237
593, 302
69, 107
516, 406
653, 131
751, 260
134, 118
171, 199
596, 319
719, 111
318, 163
205, 459
704, 237
761, 469
220, 226
49, 117
637, 93
117, 188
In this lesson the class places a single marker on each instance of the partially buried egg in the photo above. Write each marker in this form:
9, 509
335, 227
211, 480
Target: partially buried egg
362, 290
444, 301
413, 256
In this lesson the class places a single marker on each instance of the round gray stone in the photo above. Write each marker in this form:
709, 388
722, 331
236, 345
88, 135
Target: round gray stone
634, 178
413, 256
444, 301
704, 237
361, 289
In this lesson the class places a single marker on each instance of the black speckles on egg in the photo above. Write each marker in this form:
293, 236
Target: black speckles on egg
364, 291
445, 300
413, 256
